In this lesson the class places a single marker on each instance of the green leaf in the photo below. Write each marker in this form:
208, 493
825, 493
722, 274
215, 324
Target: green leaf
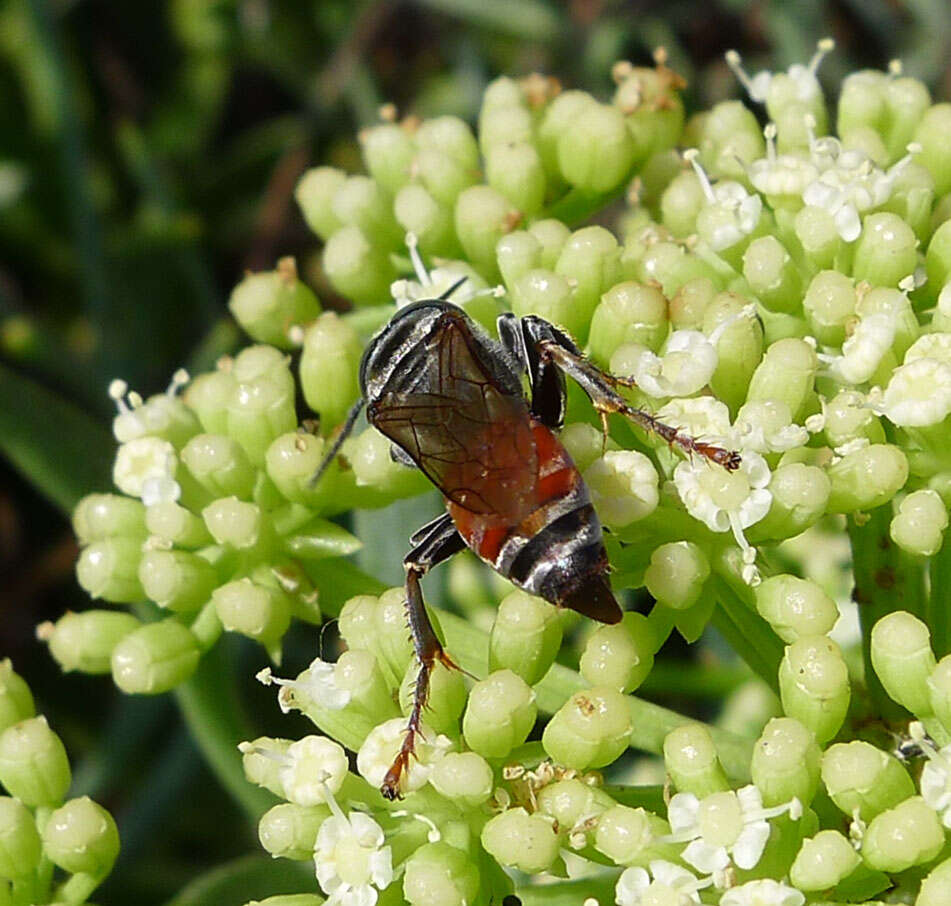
247, 878
320, 539
53, 443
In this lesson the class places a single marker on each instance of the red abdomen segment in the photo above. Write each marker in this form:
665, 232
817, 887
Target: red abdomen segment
555, 548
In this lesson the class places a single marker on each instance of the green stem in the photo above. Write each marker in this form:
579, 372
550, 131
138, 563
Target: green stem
750, 636
879, 590
938, 604
214, 718
577, 205
77, 889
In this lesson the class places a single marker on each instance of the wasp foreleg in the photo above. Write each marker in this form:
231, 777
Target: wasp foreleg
437, 542
599, 386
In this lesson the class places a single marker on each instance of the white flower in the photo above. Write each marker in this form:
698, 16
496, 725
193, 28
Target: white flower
780, 174
936, 774
686, 366
765, 426
145, 467
383, 742
352, 864
310, 768
930, 346
623, 486
137, 419
432, 284
864, 350
803, 78
316, 685
765, 892
702, 417
739, 210
918, 394
668, 884
723, 826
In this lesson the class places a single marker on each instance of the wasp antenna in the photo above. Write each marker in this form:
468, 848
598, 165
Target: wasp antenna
448, 293
345, 432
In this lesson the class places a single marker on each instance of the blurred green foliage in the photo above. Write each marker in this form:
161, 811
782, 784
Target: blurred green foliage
148, 155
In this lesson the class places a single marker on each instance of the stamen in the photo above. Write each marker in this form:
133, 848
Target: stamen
895, 169
179, 380
747, 311
691, 155
335, 809
823, 49
117, 390
734, 61
895, 69
421, 273
769, 132
135, 399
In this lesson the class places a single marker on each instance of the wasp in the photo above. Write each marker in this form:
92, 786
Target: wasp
451, 400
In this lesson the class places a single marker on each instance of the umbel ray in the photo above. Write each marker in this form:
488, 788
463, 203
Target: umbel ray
451, 401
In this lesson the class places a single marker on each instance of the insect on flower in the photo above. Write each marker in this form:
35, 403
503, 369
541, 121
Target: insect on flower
451, 400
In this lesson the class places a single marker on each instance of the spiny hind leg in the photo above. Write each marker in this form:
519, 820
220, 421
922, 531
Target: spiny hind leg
434, 543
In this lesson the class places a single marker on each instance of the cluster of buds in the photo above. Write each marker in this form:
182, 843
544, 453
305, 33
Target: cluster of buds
40, 829
782, 292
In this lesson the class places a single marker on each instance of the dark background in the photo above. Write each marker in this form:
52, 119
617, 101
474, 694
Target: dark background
148, 155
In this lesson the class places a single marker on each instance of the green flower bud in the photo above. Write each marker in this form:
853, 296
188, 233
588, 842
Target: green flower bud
501, 92
328, 368
823, 861
620, 656
482, 217
20, 847
373, 467
176, 525
446, 701
597, 152
438, 874
507, 124
866, 478
552, 236
33, 763
819, 237
682, 201
739, 349
81, 838
388, 150
235, 523
795, 607
363, 203
814, 685
519, 840
800, 497
177, 580
931, 133
936, 887
651, 102
691, 761
690, 302
429, 220
550, 296
863, 101
515, 169
559, 119
314, 194
263, 760
254, 610
677, 573
266, 304
939, 691
847, 418
500, 714
517, 252
526, 636
886, 252
918, 526
262, 406
292, 461
101, 516
862, 778
907, 835
903, 659
938, 256
623, 486
731, 139
786, 762
443, 176
16, 700
772, 275
574, 806
590, 730
452, 137
786, 374
358, 673
109, 569
463, 777
358, 269
289, 831
627, 836
209, 396
85, 641
220, 465
155, 658
627, 313
379, 626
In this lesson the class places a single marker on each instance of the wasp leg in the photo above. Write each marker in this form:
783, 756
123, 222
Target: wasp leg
599, 386
437, 541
